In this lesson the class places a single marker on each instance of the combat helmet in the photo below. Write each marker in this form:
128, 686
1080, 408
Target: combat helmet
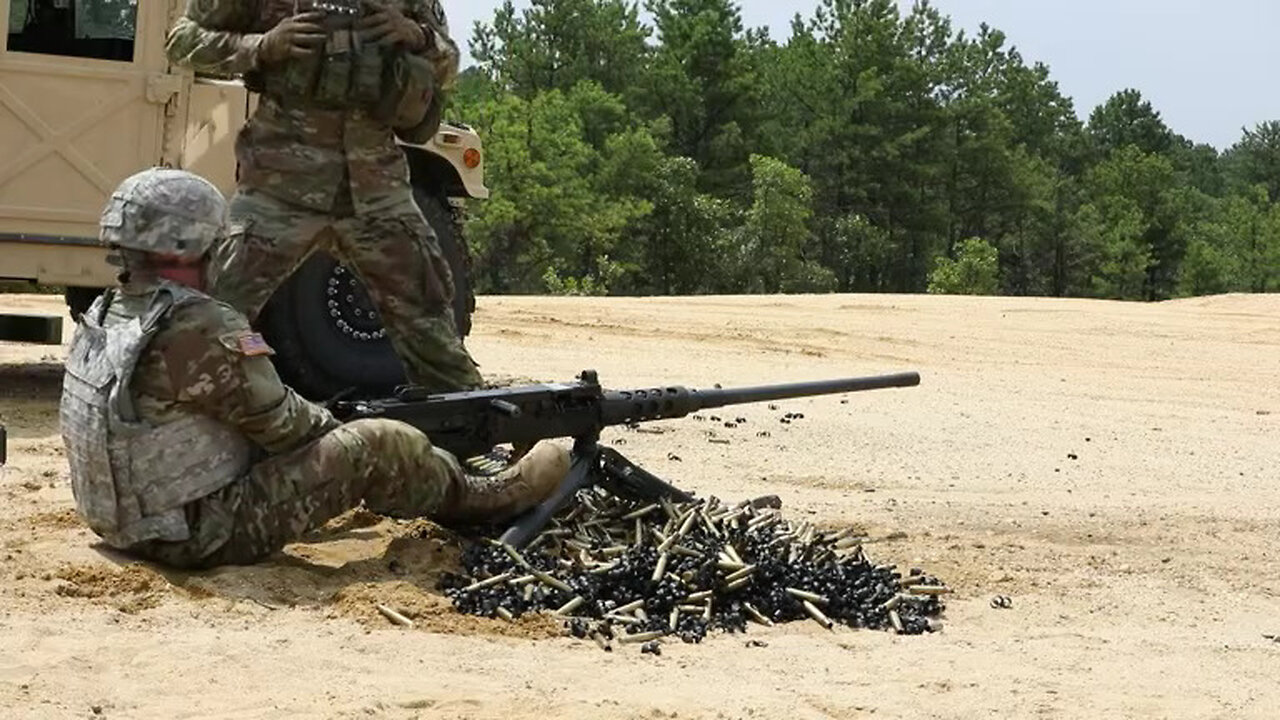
163, 211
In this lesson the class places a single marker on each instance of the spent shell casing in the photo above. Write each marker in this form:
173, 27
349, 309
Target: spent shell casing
732, 552
601, 641
641, 637
673, 620
629, 607
700, 596
687, 552
602, 568
711, 527
660, 568
816, 614
641, 615
740, 574
624, 619
729, 566
848, 542
515, 555
891, 603
738, 584
763, 524
548, 580
687, 524
897, 621
666, 544
570, 606
844, 533
522, 580
505, 614
706, 611
394, 616
528, 591
757, 615
690, 609
636, 514
487, 582
614, 551
806, 595
728, 518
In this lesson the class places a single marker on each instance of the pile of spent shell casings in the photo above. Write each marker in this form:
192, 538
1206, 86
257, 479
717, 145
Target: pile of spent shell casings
619, 571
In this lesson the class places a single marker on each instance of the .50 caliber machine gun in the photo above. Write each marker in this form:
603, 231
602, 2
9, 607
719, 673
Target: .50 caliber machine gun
472, 422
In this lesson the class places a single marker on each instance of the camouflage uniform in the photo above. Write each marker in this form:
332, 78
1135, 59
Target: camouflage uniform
205, 360
183, 444
313, 177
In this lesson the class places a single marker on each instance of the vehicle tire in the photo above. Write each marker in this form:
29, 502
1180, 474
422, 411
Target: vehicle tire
326, 333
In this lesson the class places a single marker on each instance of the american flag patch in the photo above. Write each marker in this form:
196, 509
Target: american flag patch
252, 344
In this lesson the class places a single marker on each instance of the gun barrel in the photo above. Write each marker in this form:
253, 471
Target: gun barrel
719, 397
663, 403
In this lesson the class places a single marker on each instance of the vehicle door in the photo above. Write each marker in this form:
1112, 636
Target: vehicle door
84, 92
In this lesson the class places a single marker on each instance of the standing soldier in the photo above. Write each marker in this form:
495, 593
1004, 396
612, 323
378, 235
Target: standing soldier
339, 80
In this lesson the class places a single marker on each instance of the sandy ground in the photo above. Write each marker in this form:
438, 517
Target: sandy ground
1111, 467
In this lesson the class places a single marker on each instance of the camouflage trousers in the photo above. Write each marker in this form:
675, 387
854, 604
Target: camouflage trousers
395, 254
389, 465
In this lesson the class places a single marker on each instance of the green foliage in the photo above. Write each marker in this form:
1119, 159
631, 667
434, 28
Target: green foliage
1127, 120
974, 271
770, 247
868, 152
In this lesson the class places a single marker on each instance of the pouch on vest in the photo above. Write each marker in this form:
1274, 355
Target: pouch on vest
295, 80
334, 85
409, 86
366, 74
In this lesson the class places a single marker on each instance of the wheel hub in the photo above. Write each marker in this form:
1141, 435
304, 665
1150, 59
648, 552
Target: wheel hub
350, 309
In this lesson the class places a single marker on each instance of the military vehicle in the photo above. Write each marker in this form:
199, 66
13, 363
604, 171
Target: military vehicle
87, 98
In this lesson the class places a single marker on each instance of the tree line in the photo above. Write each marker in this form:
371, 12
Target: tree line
875, 150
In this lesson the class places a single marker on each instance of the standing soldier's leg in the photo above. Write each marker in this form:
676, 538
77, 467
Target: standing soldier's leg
397, 256
268, 240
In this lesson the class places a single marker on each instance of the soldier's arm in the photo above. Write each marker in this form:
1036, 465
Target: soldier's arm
440, 48
219, 366
213, 36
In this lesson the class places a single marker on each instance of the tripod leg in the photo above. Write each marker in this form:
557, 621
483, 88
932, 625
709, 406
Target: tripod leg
628, 478
582, 473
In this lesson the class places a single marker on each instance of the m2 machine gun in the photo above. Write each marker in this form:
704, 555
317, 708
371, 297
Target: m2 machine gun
473, 422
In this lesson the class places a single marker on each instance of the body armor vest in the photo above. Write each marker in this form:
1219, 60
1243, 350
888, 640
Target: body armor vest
394, 86
130, 478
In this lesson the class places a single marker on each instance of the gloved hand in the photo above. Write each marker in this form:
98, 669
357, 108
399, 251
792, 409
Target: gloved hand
293, 37
386, 25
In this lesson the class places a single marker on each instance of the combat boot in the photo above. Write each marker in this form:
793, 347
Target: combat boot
502, 496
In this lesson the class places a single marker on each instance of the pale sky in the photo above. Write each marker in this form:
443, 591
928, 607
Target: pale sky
1209, 66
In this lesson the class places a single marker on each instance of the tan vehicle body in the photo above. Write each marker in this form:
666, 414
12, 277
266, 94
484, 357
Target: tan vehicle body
72, 127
